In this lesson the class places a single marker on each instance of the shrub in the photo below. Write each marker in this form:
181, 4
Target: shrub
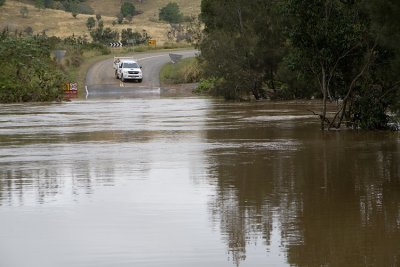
24, 11
205, 86
90, 23
134, 38
28, 73
127, 9
171, 13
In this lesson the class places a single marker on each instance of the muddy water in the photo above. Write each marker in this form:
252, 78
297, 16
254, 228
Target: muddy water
193, 182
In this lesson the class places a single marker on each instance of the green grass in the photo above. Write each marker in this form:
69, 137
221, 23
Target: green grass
185, 71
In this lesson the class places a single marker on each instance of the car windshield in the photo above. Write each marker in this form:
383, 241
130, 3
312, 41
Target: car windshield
131, 65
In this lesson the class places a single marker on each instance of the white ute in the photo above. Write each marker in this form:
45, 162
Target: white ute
126, 68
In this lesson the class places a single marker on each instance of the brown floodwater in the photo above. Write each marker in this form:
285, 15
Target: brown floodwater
193, 182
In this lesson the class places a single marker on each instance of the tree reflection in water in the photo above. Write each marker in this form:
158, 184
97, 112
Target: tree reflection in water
336, 195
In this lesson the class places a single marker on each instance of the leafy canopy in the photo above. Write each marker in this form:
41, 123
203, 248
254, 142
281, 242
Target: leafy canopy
171, 13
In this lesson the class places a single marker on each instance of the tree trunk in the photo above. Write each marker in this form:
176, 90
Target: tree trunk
324, 93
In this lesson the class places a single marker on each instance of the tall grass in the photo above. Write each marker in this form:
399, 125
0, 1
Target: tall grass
185, 71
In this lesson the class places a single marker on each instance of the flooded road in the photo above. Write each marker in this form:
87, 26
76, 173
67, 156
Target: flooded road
193, 182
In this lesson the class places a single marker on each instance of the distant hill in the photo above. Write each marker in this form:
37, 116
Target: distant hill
63, 24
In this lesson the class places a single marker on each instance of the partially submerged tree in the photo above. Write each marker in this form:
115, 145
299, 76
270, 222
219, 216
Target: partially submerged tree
332, 40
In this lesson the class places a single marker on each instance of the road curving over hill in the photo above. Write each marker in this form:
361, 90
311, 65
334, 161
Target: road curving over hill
101, 82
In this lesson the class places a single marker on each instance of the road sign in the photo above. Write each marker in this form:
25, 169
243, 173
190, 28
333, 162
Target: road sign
175, 57
71, 90
116, 44
152, 42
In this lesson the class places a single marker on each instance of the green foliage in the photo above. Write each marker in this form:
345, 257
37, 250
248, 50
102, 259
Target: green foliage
75, 7
48, 3
185, 71
28, 30
242, 46
28, 73
103, 35
129, 37
2, 2
171, 13
120, 18
338, 50
127, 9
206, 86
90, 23
24, 11
370, 110
40, 4
334, 42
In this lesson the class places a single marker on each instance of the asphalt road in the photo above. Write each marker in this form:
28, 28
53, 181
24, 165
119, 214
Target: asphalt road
101, 82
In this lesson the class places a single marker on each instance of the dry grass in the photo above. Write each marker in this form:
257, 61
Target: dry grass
62, 24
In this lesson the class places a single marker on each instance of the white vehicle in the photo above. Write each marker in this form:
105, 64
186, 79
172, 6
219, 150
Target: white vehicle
126, 68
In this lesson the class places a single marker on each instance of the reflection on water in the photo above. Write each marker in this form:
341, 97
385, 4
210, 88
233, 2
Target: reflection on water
179, 182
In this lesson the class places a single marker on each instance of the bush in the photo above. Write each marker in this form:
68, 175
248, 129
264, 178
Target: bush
28, 72
24, 11
129, 37
127, 9
206, 86
185, 71
171, 13
2, 2
90, 23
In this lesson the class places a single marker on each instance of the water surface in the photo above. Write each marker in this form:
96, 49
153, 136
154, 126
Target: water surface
193, 182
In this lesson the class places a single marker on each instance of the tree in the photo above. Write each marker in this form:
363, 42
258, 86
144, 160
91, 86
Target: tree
28, 73
385, 25
28, 30
171, 13
90, 23
120, 18
48, 3
329, 39
128, 36
242, 45
103, 35
24, 11
74, 8
127, 9
2, 2
40, 4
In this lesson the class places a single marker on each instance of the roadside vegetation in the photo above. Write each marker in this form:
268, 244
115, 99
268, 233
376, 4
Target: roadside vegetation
32, 72
343, 52
28, 73
184, 71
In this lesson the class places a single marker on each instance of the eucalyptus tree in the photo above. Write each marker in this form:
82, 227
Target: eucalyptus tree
327, 36
386, 26
242, 45
334, 41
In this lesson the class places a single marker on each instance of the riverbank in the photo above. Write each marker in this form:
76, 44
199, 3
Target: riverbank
180, 78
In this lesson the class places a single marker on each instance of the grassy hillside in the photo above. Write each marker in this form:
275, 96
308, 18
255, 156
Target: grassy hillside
62, 24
